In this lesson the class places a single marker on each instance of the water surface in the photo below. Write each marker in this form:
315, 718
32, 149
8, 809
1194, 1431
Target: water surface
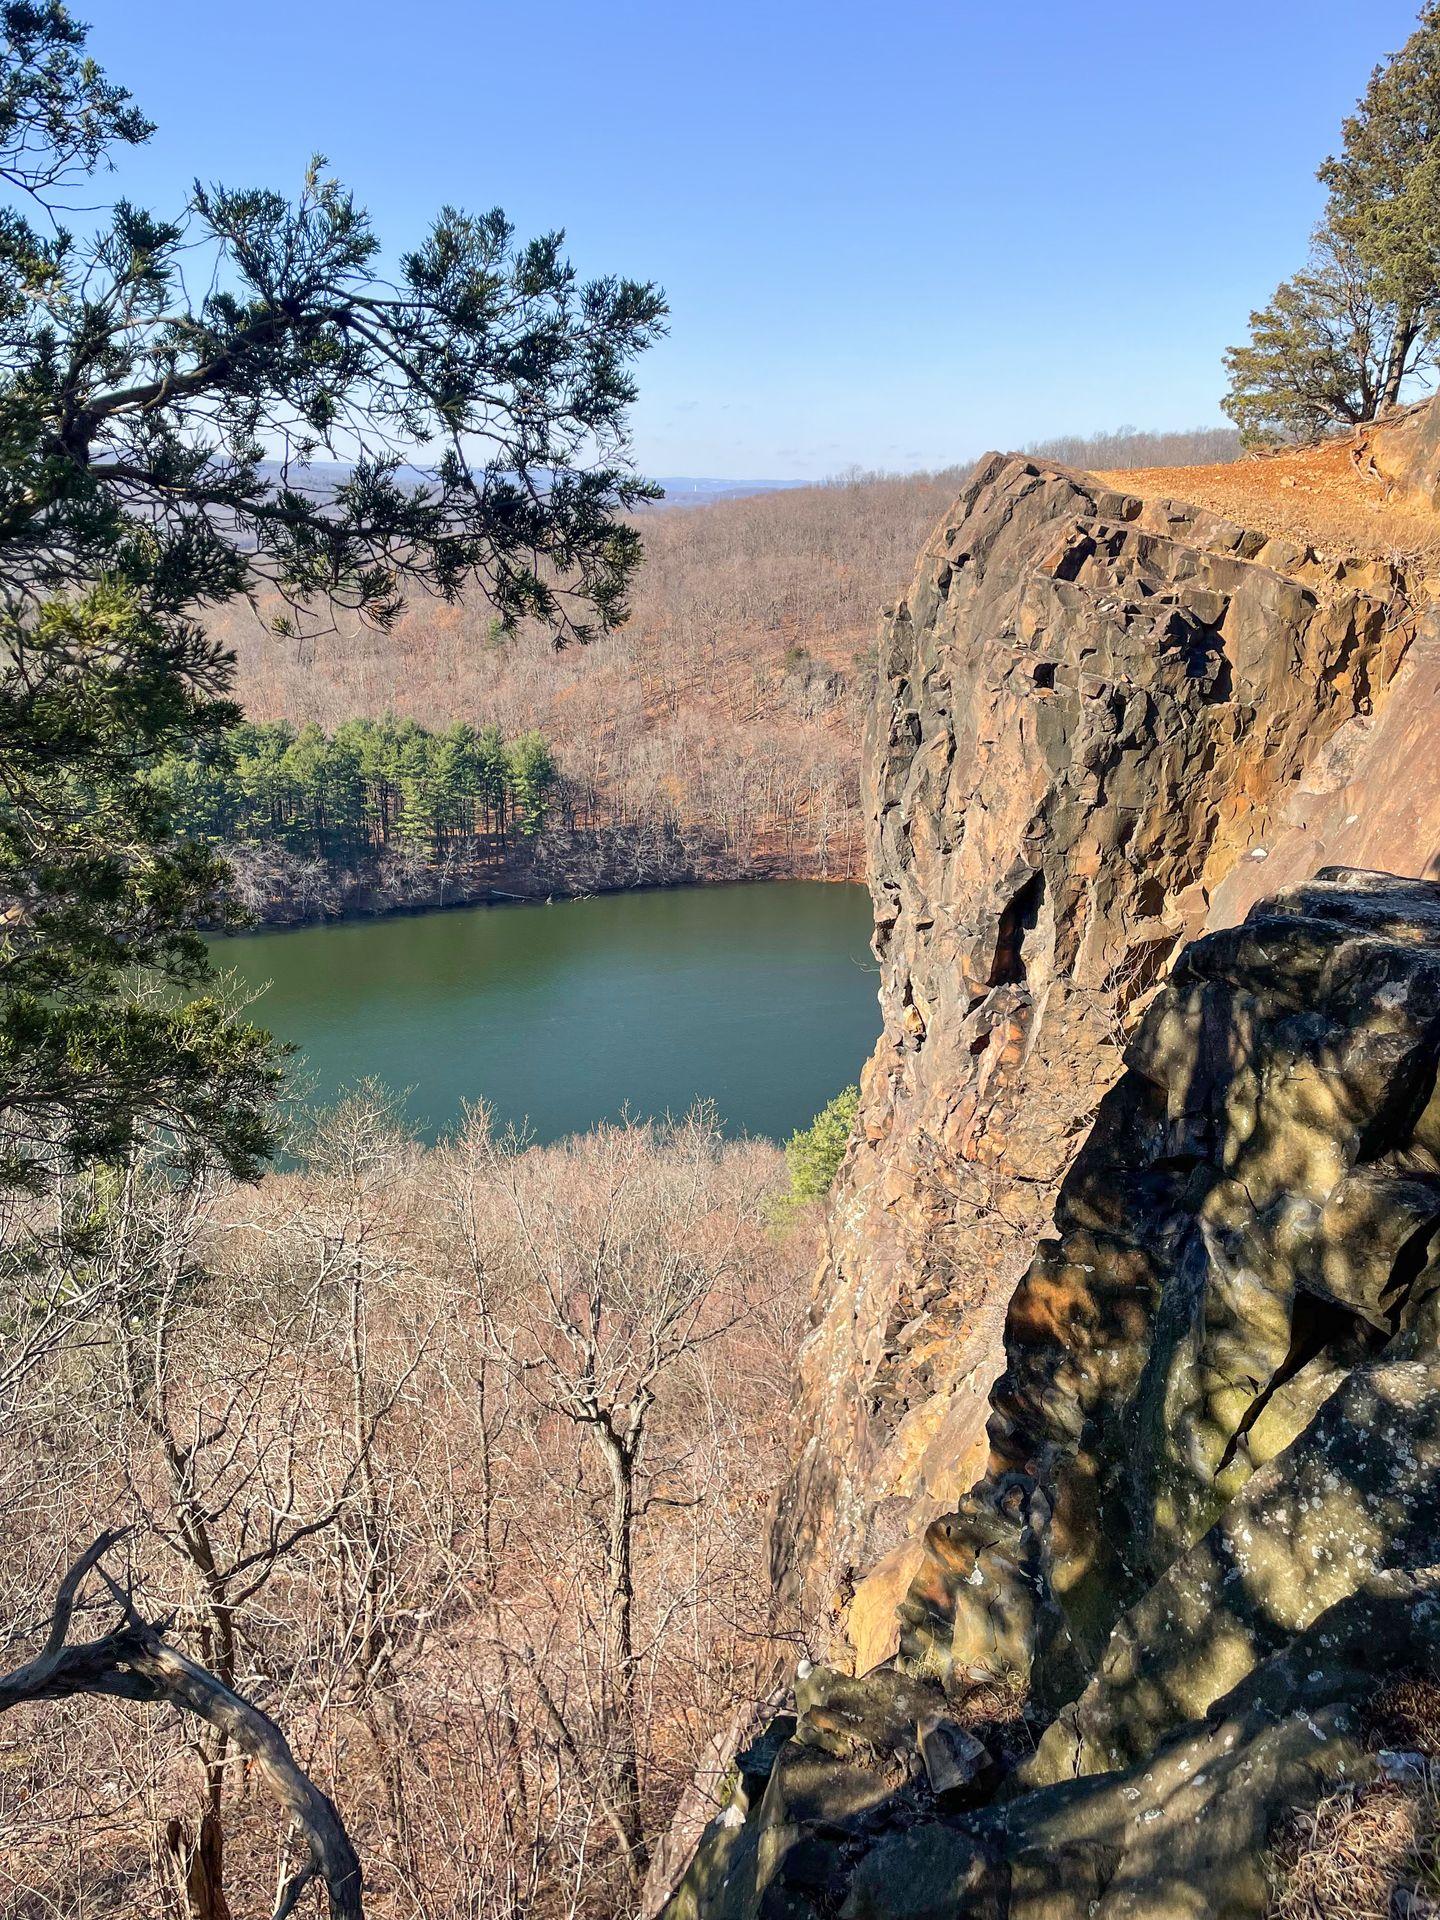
760, 998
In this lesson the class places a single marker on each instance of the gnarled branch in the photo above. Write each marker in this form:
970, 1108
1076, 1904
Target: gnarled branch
133, 1662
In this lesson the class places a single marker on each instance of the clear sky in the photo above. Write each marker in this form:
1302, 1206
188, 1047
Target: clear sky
892, 236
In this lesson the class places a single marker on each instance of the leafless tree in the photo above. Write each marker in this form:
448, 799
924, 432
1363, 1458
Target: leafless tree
345, 1416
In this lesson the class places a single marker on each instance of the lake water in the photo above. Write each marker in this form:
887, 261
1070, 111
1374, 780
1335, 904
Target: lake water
759, 997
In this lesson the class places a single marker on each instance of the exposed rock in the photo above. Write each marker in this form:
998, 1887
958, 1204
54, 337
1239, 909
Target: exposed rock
1403, 452
1179, 1835
1370, 798
954, 1759
1210, 1525
1248, 1221
1090, 709
1355, 1494
1199, 1526
732, 1766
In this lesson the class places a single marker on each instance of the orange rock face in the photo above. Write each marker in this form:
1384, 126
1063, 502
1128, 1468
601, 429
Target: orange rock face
1096, 714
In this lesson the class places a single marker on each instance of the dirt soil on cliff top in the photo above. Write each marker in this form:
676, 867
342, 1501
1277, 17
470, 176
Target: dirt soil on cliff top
1316, 495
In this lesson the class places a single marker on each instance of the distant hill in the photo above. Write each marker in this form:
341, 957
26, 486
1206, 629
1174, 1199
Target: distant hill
1121, 447
684, 490
730, 707
728, 711
681, 490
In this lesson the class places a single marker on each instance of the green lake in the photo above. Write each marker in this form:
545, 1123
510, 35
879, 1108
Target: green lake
761, 998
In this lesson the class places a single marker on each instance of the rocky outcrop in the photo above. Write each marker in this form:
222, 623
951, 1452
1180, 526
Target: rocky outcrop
1093, 711
1402, 451
1369, 798
1241, 1269
1209, 1526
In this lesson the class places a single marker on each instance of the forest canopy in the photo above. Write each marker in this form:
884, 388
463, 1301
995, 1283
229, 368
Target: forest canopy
370, 784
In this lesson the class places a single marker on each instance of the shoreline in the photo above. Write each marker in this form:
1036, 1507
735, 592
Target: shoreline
541, 895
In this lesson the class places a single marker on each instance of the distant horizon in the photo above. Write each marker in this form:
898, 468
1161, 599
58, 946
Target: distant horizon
886, 242
852, 471
719, 484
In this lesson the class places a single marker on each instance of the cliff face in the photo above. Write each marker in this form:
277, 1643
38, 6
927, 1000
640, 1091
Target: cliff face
1094, 711
1195, 1590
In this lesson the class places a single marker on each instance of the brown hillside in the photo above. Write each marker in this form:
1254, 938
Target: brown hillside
730, 706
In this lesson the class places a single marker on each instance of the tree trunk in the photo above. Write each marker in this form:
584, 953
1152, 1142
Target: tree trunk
371, 1550
1400, 345
204, 1856
132, 1662
197, 1865
622, 1752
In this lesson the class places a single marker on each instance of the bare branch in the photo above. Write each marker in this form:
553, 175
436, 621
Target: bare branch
134, 1663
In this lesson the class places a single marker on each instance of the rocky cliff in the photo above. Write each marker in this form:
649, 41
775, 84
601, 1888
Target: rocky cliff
1104, 722
1114, 1515
1195, 1589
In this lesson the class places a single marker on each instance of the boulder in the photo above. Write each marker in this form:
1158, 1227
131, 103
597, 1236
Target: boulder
1402, 452
1248, 1223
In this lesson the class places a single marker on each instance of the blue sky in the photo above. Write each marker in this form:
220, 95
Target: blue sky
892, 236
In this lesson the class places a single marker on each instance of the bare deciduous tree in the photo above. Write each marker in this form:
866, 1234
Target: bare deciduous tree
455, 1461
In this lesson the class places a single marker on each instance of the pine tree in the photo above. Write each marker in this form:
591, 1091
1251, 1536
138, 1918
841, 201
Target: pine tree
416, 821
1317, 355
530, 779
1338, 341
135, 493
455, 773
1385, 193
493, 773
